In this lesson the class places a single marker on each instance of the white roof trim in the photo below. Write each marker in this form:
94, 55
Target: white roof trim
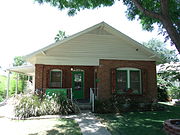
101, 25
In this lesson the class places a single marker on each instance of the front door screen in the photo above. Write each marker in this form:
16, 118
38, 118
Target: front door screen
77, 81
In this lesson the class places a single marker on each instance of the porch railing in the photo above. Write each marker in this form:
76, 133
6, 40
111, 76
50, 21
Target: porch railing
67, 92
93, 96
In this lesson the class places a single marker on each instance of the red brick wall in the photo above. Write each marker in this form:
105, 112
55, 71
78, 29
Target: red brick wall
43, 75
148, 68
38, 76
104, 85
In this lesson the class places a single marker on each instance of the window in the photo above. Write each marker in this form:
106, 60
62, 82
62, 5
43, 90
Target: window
128, 80
56, 78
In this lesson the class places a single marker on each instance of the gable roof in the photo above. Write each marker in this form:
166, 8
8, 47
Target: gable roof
101, 26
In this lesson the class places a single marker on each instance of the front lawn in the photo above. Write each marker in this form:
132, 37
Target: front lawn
39, 127
139, 123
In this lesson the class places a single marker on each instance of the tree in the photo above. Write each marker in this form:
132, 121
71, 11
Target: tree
167, 79
19, 61
165, 54
60, 36
165, 13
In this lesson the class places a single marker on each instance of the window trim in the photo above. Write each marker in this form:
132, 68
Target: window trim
55, 70
128, 69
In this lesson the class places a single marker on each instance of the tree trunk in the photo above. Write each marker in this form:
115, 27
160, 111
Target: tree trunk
172, 32
165, 20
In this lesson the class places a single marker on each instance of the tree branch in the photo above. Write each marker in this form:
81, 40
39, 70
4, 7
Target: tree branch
164, 7
145, 11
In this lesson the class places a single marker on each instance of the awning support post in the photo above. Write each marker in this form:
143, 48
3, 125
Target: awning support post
8, 85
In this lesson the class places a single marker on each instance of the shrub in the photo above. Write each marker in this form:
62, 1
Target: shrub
65, 106
120, 104
163, 89
1, 98
104, 106
28, 106
175, 92
33, 105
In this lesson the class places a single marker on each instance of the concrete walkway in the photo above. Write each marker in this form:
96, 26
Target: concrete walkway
89, 124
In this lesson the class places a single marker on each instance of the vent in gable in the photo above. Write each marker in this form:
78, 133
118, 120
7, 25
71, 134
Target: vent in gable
99, 31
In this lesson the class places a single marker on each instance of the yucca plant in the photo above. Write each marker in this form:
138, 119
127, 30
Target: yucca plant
33, 105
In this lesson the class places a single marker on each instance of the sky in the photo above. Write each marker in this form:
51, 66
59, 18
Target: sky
26, 26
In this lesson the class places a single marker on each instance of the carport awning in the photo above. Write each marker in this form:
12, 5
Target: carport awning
27, 69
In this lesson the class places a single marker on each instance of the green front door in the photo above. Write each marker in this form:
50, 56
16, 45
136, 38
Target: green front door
78, 84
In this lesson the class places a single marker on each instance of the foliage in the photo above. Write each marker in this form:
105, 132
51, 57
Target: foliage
77, 5
104, 106
12, 88
166, 90
165, 13
33, 105
175, 92
163, 89
60, 36
19, 61
138, 123
27, 107
2, 87
66, 106
168, 73
121, 104
159, 47
1, 98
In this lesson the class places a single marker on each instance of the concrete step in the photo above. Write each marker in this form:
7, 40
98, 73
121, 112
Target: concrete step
84, 106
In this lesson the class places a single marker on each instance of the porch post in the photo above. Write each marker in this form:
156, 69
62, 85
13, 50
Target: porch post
33, 82
17, 79
8, 85
71, 94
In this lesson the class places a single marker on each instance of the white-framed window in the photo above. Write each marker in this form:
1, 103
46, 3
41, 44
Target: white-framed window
128, 80
56, 78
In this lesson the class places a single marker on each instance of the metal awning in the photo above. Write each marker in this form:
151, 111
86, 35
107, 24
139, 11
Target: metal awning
27, 69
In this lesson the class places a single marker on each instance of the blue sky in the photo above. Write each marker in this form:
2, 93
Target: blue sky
26, 26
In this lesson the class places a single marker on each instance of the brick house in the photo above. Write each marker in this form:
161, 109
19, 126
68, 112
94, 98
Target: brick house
99, 57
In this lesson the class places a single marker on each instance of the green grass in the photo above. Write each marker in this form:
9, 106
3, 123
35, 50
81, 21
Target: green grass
64, 127
40, 127
139, 123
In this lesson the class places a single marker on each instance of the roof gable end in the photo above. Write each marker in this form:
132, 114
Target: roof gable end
98, 29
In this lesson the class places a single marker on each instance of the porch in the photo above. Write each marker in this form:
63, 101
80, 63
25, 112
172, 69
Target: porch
27, 70
84, 104
77, 78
